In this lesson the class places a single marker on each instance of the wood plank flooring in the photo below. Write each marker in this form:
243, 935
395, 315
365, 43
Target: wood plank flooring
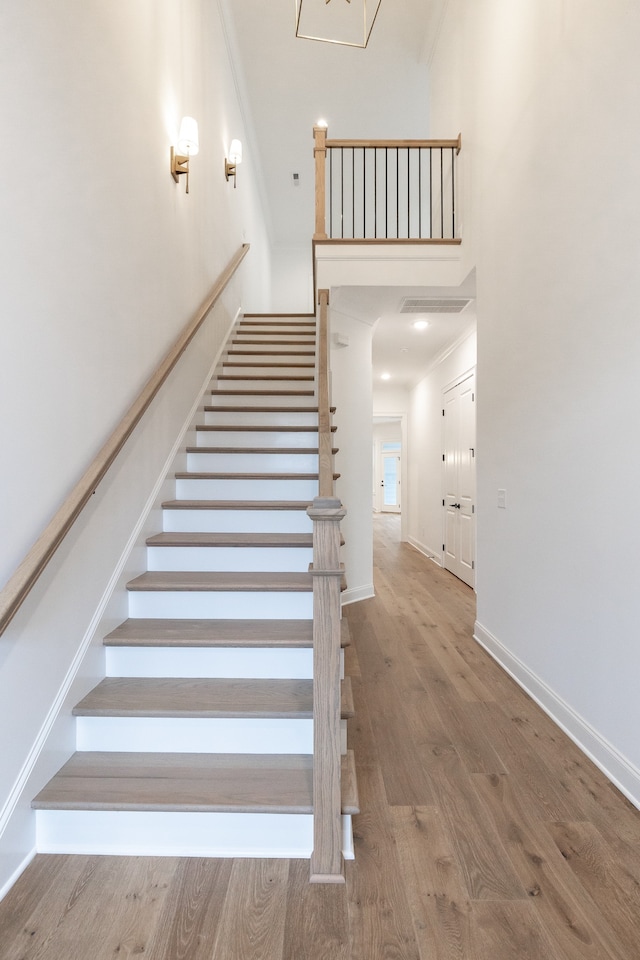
484, 833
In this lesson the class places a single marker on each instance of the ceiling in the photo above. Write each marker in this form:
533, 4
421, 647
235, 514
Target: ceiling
286, 84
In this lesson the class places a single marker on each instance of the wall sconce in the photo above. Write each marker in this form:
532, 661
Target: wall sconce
186, 147
235, 158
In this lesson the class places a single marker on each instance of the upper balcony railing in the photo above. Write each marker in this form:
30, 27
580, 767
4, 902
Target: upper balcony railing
386, 190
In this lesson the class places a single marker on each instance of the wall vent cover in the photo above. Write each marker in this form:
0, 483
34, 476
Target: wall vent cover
433, 304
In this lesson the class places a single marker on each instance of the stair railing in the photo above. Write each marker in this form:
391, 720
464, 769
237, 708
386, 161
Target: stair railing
18, 587
326, 513
385, 191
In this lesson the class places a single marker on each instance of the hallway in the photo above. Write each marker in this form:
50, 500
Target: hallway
484, 833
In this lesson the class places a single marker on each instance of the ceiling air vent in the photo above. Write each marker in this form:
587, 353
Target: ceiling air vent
433, 305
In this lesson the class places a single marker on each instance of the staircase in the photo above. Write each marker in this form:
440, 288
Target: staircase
199, 741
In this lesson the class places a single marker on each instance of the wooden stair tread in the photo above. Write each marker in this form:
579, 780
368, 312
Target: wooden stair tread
165, 632
230, 540
208, 698
258, 428
282, 450
236, 504
225, 580
260, 319
275, 343
204, 475
235, 352
267, 363
220, 408
267, 377
240, 783
262, 393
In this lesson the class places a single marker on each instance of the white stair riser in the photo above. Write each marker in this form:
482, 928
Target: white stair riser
258, 400
177, 834
251, 355
229, 558
300, 335
194, 735
259, 386
234, 605
295, 367
240, 663
257, 438
236, 521
235, 489
262, 417
252, 462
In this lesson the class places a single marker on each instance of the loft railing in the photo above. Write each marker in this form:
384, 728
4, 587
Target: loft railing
386, 190
326, 513
17, 589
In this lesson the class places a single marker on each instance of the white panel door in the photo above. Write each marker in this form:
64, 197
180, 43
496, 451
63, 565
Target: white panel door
459, 479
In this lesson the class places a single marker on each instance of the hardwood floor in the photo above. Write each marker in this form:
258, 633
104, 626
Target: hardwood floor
484, 833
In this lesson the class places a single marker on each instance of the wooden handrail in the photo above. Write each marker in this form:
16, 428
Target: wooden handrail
16, 590
396, 144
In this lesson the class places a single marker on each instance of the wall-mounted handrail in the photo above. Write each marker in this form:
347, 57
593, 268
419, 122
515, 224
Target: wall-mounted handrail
385, 190
18, 587
326, 513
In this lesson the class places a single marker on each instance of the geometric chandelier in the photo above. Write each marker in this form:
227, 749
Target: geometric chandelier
347, 22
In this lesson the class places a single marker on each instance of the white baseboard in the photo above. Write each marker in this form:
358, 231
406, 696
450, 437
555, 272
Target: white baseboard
622, 773
9, 882
357, 593
434, 555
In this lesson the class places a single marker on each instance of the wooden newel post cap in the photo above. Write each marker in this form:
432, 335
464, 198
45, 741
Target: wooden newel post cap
326, 508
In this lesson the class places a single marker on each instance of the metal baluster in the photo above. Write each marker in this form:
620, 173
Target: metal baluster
441, 194
342, 192
431, 193
331, 193
397, 193
353, 193
453, 194
375, 193
419, 192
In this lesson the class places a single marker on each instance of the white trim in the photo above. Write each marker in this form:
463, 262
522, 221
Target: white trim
17, 873
32, 758
435, 555
622, 773
358, 593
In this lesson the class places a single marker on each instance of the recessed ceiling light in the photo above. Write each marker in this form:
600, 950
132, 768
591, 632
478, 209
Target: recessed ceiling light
421, 324
385, 376
404, 349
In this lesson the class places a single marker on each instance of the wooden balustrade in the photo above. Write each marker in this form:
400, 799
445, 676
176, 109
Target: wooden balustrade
27, 574
326, 513
396, 191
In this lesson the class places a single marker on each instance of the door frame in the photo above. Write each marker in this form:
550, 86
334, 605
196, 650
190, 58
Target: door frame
471, 371
378, 416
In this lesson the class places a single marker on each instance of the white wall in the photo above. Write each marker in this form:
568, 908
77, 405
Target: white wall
548, 107
103, 259
351, 395
292, 278
423, 490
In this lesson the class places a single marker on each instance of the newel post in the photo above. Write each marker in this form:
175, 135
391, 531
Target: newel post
320, 154
326, 860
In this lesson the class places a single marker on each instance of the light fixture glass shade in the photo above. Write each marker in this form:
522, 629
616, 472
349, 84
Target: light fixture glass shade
187, 144
235, 152
348, 22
